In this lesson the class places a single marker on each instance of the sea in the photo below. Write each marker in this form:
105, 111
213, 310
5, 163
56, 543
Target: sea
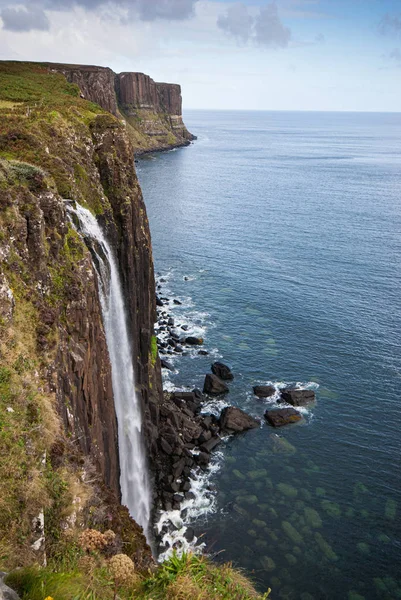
280, 234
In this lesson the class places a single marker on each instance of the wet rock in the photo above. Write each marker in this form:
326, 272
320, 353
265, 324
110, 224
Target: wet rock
203, 458
282, 416
297, 397
165, 446
211, 444
170, 322
166, 365
214, 386
189, 535
177, 301
222, 371
264, 391
159, 302
194, 341
235, 420
184, 327
203, 352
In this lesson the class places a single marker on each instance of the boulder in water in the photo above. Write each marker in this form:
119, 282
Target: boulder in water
194, 341
166, 365
222, 371
297, 397
264, 391
282, 416
214, 386
235, 420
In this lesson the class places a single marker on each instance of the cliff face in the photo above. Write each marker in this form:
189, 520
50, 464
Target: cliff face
95, 83
56, 147
152, 111
136, 91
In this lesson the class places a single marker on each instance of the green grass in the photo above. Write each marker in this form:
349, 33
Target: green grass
186, 577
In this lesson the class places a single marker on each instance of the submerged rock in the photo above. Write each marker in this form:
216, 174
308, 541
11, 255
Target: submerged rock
214, 386
287, 490
325, 547
235, 420
282, 416
264, 391
312, 517
297, 397
222, 371
291, 532
281, 446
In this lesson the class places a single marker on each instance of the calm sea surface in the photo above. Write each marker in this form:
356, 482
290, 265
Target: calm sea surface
288, 228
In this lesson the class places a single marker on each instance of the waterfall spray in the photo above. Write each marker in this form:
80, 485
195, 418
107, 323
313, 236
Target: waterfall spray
134, 481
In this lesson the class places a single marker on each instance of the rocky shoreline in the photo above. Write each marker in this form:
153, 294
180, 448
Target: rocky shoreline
189, 433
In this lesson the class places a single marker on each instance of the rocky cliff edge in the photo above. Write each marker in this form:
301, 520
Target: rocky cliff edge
152, 111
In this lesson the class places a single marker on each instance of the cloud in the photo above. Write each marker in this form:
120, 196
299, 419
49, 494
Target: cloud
390, 25
269, 30
395, 57
265, 29
237, 22
34, 17
24, 19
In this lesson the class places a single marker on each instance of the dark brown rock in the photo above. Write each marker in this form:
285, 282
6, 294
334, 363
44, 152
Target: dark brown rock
282, 416
222, 371
194, 341
234, 419
214, 386
264, 391
211, 444
297, 397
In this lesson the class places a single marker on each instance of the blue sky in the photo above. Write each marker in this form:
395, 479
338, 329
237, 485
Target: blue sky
254, 54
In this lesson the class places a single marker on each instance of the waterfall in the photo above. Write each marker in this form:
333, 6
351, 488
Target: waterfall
134, 481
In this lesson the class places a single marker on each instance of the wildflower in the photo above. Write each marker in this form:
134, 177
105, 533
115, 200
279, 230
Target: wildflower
92, 540
122, 569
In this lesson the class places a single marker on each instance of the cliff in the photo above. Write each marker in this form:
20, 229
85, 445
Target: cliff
56, 393
60, 502
152, 111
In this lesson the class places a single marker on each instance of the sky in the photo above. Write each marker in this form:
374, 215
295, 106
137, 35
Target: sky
340, 55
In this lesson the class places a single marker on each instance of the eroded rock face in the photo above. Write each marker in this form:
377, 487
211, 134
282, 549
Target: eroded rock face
153, 109
96, 83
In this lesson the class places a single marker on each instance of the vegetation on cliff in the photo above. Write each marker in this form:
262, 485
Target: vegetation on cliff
92, 575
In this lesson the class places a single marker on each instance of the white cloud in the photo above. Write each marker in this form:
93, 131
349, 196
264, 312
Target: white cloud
263, 29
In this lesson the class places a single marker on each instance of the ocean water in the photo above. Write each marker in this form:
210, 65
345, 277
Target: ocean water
281, 235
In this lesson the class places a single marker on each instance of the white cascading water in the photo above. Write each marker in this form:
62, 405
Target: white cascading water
134, 480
